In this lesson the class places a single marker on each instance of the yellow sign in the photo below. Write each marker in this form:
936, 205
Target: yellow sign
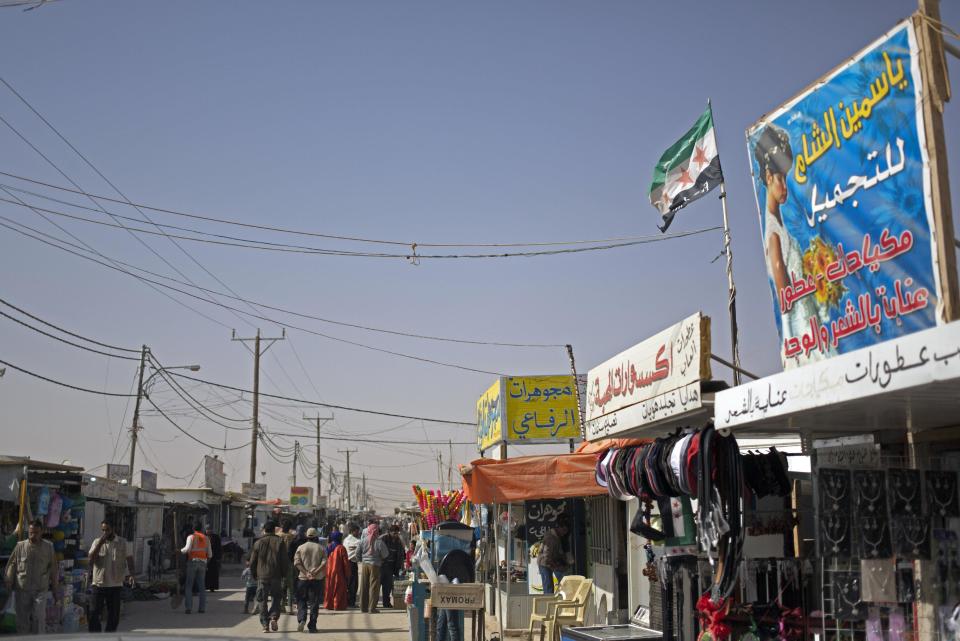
490, 417
541, 408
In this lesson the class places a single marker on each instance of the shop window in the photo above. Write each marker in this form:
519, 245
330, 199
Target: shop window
600, 534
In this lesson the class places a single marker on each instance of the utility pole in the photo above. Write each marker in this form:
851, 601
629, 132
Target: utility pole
296, 452
440, 469
450, 467
319, 418
134, 426
257, 353
365, 501
346, 484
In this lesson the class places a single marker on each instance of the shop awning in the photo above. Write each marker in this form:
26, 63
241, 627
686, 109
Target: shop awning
553, 476
909, 382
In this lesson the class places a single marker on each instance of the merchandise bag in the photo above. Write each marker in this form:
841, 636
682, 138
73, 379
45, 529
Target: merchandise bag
8, 618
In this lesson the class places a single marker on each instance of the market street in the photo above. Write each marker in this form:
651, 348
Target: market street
224, 618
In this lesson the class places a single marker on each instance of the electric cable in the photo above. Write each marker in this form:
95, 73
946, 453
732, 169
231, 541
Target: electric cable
191, 436
219, 304
400, 243
65, 331
64, 340
62, 384
292, 249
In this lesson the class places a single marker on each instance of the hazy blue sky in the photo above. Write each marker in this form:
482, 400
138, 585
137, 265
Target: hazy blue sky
417, 121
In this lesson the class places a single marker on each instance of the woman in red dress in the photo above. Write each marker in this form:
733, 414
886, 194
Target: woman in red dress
338, 571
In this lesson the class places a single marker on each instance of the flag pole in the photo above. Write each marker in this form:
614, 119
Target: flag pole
731, 287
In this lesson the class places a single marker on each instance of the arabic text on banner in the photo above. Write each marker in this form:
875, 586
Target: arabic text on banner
541, 408
842, 188
490, 417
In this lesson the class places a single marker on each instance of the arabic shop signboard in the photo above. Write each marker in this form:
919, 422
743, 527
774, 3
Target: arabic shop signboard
256, 491
922, 358
651, 381
528, 409
301, 495
843, 187
490, 417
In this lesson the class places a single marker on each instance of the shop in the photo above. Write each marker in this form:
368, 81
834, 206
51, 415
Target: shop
517, 501
52, 493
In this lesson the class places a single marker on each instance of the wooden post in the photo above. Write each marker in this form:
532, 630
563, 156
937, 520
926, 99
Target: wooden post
936, 91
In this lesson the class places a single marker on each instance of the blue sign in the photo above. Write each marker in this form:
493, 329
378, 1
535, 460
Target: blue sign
843, 190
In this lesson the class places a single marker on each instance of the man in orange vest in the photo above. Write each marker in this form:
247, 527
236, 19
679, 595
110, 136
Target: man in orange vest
198, 553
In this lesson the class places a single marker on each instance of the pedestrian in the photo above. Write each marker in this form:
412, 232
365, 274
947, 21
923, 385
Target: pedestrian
269, 563
372, 553
392, 564
310, 560
351, 544
553, 554
111, 563
338, 570
215, 563
198, 553
288, 534
250, 585
31, 571
408, 560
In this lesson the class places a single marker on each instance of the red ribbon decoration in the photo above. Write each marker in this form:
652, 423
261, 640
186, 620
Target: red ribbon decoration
712, 616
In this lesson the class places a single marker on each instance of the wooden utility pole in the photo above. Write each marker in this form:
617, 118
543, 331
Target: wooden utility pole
135, 425
257, 353
296, 453
318, 420
364, 486
346, 484
936, 90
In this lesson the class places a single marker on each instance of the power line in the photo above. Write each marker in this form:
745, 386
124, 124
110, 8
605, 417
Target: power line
191, 436
242, 243
64, 340
297, 232
67, 332
219, 304
365, 440
62, 384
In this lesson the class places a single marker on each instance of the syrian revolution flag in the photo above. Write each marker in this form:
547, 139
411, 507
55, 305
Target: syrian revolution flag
687, 170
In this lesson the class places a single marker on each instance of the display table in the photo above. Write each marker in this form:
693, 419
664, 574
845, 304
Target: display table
624, 632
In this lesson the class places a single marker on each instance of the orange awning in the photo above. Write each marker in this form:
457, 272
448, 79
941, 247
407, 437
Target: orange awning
552, 476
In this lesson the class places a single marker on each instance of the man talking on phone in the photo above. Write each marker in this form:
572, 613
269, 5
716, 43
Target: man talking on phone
111, 565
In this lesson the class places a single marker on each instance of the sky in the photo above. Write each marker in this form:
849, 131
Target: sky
419, 122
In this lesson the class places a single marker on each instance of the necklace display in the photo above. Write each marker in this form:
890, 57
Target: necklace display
846, 589
835, 531
869, 485
906, 484
878, 581
872, 531
913, 539
835, 485
943, 493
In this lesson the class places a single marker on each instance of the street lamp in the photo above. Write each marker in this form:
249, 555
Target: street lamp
141, 392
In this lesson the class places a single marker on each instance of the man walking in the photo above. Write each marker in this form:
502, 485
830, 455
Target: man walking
269, 563
372, 553
310, 560
216, 559
352, 545
111, 565
199, 552
31, 571
392, 564
288, 535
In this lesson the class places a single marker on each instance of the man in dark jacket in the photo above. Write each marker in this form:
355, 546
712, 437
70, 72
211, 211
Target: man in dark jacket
392, 565
216, 560
269, 564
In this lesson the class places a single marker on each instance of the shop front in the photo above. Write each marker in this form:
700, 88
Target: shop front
519, 500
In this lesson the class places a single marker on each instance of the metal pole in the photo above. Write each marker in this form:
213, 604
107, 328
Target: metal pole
319, 466
134, 427
731, 287
296, 451
346, 484
576, 387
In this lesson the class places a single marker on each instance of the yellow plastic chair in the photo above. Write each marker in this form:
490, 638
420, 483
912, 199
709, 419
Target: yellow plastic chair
542, 609
572, 612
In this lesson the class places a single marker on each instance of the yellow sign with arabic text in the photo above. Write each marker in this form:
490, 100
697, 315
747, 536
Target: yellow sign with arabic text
540, 409
490, 416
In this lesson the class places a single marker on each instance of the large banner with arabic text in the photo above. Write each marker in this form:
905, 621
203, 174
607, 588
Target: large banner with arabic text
522, 409
843, 190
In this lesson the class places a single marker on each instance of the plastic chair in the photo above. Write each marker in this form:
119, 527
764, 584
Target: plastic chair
572, 612
566, 590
